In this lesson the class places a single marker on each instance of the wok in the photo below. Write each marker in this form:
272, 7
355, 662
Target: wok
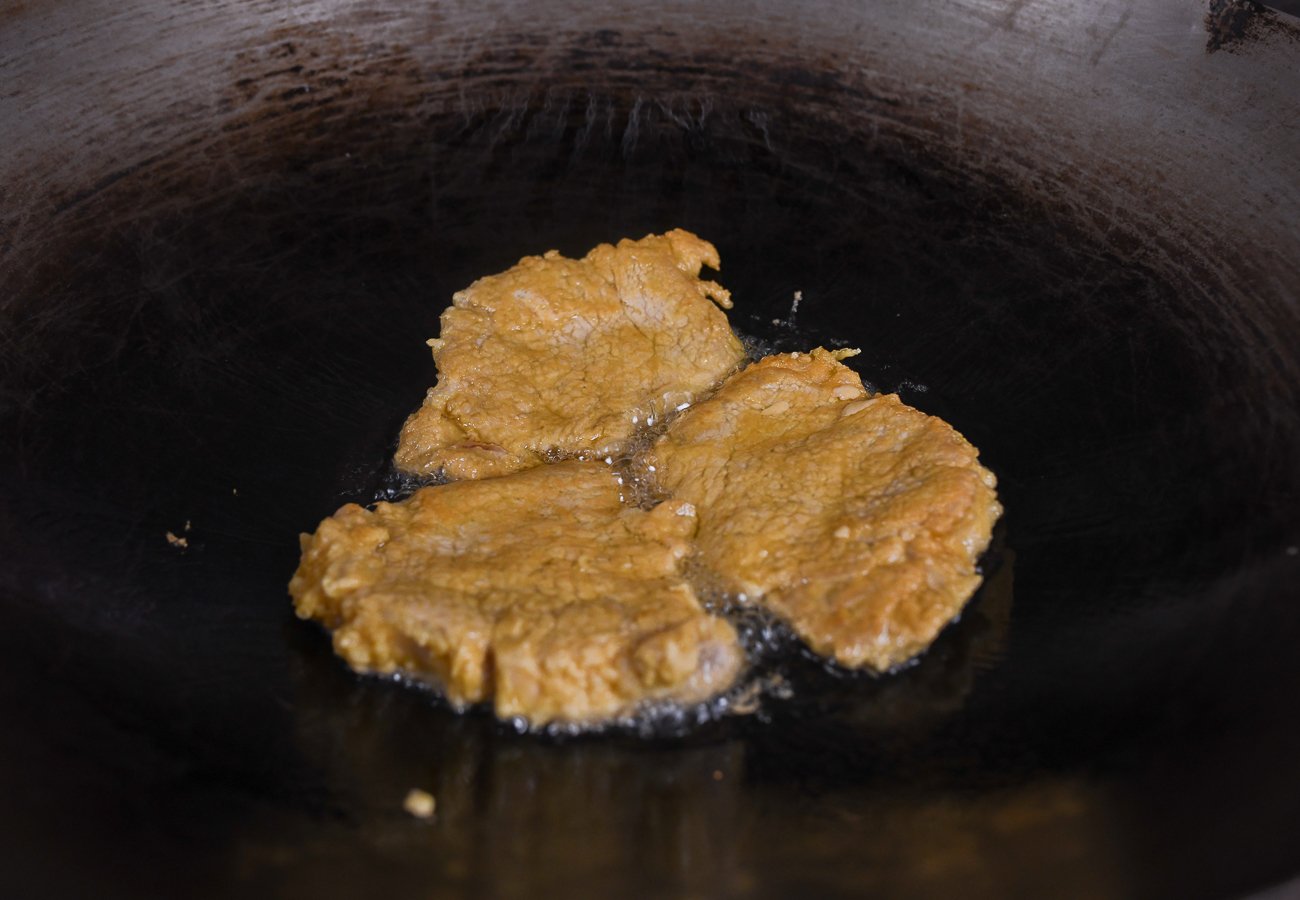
1073, 230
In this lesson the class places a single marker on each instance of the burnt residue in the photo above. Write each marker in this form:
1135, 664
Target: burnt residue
1232, 24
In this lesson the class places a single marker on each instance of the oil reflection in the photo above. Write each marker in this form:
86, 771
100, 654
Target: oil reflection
515, 814
704, 814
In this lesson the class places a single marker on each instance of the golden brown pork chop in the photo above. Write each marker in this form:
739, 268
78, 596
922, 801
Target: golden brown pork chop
539, 591
570, 357
856, 518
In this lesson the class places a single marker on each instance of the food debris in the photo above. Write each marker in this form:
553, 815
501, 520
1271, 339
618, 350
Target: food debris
420, 804
794, 311
177, 540
748, 700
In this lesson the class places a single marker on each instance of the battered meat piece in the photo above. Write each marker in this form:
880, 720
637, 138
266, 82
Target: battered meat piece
858, 519
540, 591
568, 357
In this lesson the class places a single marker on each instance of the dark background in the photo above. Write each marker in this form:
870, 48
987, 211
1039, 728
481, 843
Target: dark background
230, 334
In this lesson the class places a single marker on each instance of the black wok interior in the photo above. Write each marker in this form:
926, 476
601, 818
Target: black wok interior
230, 335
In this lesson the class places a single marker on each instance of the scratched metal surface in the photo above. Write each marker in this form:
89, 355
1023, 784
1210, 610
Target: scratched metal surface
1072, 229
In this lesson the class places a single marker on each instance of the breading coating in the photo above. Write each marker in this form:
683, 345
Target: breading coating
535, 586
540, 591
856, 518
568, 357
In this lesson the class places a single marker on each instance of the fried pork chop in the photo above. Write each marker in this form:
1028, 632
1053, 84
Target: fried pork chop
856, 518
540, 591
563, 357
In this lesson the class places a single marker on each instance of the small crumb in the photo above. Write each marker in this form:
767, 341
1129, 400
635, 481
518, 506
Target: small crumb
686, 509
748, 701
717, 775
178, 542
187, 525
234, 492
420, 804
776, 321
842, 532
